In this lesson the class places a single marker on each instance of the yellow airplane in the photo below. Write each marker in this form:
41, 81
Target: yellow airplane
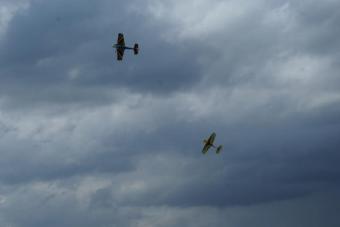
210, 143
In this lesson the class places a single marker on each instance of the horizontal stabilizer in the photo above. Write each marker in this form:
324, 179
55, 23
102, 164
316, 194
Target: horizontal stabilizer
218, 149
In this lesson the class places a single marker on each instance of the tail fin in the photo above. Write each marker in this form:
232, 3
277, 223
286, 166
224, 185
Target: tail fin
136, 48
218, 149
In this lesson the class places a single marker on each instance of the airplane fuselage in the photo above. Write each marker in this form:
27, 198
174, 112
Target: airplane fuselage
208, 142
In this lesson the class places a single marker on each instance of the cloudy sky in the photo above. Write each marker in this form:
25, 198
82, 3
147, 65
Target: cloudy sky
89, 141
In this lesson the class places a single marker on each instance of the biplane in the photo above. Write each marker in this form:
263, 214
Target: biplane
210, 143
120, 47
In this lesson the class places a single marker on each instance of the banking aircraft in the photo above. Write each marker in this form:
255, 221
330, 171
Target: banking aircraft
210, 143
120, 47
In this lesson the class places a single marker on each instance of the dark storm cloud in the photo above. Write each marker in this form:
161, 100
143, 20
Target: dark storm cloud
49, 167
262, 164
65, 47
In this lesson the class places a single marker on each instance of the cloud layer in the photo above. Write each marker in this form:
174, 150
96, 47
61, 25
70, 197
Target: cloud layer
88, 141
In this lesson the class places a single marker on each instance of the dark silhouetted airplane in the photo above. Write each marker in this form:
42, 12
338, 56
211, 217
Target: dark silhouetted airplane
120, 47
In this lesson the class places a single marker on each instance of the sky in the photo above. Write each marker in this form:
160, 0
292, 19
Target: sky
86, 140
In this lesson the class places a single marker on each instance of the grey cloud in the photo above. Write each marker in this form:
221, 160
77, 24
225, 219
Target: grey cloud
47, 41
89, 141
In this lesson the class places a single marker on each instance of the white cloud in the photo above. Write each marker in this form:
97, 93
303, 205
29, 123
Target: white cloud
7, 11
199, 19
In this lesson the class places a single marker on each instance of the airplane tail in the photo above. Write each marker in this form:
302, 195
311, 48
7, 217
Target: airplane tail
136, 48
218, 149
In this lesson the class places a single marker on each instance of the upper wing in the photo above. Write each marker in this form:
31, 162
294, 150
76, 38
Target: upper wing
120, 54
212, 138
120, 40
206, 148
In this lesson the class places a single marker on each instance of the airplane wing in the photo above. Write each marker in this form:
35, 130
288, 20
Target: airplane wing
206, 148
212, 138
120, 40
120, 54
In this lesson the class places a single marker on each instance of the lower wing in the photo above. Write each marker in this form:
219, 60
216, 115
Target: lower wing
120, 54
206, 148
